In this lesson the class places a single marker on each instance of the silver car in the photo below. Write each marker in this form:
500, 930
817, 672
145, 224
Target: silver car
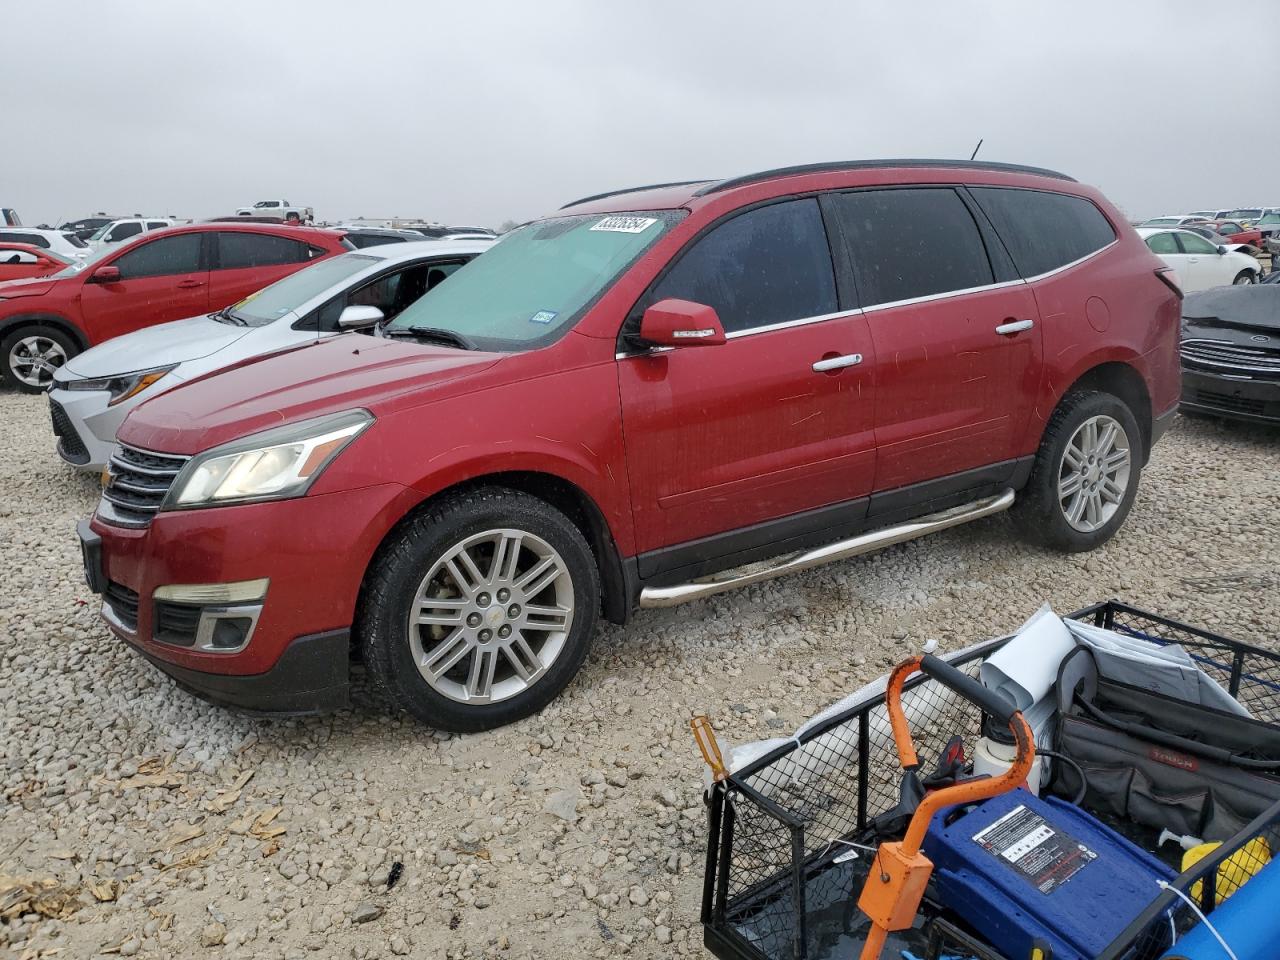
94, 391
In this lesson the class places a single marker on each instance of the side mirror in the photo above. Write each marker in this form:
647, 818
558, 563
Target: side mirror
681, 323
105, 275
359, 317
1222, 250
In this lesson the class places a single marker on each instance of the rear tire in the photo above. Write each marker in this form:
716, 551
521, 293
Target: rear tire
1244, 278
481, 654
1085, 475
30, 354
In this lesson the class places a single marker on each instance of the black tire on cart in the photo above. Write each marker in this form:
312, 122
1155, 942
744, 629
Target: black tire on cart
478, 610
1085, 475
30, 353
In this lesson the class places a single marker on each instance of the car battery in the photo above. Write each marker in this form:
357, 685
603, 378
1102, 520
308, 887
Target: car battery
1027, 872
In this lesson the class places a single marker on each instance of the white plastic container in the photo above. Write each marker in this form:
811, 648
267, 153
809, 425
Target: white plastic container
993, 758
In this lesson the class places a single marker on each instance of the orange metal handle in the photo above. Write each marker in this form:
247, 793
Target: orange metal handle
710, 747
969, 791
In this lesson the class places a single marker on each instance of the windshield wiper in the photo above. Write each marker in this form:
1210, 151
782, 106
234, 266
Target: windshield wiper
432, 334
226, 316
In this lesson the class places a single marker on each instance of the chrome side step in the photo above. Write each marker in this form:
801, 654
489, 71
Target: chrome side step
841, 550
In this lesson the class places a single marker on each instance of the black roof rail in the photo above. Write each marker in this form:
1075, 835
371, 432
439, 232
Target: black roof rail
618, 193
874, 164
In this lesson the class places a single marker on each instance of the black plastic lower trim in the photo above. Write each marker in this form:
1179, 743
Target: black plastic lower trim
312, 676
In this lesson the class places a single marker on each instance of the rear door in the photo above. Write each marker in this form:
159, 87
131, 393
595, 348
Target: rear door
1165, 246
161, 279
722, 438
245, 262
956, 344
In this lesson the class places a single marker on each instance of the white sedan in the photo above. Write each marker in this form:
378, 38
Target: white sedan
93, 392
1198, 263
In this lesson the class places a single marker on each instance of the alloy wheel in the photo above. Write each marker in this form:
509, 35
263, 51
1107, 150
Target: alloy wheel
33, 359
1244, 280
491, 616
1094, 474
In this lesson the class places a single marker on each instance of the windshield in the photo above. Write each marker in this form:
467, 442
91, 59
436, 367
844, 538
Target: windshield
1161, 221
1251, 213
1269, 220
287, 295
537, 281
79, 265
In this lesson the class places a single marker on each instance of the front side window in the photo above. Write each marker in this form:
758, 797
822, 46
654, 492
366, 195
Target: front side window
163, 256
156, 224
765, 266
911, 243
1162, 243
237, 251
535, 283
1230, 228
1193, 244
391, 293
124, 230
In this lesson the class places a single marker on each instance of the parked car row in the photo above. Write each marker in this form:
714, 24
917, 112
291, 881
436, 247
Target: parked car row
644, 398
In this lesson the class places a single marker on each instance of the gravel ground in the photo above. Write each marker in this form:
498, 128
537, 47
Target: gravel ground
575, 833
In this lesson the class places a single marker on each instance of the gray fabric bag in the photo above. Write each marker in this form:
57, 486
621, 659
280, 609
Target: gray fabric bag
1162, 762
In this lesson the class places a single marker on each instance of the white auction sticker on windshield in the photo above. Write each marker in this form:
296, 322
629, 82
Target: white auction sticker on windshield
625, 224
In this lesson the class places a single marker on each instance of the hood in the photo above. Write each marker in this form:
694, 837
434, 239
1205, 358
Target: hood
1253, 309
158, 346
320, 377
26, 287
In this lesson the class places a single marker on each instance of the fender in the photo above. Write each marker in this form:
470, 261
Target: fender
48, 319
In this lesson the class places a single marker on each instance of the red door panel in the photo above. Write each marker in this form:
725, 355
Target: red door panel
951, 393
719, 438
161, 279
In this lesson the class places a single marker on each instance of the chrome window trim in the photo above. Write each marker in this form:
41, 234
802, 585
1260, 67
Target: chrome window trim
929, 298
788, 324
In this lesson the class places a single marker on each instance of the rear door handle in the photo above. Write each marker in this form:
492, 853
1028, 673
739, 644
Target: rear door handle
1008, 329
188, 284
837, 363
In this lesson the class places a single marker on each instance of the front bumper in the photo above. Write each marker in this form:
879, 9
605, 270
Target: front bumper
1235, 398
312, 550
85, 426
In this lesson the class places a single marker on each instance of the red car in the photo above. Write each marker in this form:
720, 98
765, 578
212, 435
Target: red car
162, 275
625, 404
21, 260
1237, 232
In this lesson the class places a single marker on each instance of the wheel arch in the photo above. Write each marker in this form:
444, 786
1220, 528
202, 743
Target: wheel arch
618, 582
9, 324
1124, 381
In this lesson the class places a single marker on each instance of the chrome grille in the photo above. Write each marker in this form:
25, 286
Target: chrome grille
137, 483
1221, 356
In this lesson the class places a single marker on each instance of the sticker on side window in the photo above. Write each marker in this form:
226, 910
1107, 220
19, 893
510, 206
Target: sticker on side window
543, 316
625, 224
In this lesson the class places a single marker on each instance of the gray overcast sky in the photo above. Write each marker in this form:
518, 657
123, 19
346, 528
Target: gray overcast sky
481, 112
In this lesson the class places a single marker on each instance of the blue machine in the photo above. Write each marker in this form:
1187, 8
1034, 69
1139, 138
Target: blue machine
1028, 872
1247, 920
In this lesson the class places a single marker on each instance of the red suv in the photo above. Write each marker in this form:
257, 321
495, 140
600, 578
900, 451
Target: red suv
645, 398
163, 275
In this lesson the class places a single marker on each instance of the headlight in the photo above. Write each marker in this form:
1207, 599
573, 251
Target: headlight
273, 465
122, 387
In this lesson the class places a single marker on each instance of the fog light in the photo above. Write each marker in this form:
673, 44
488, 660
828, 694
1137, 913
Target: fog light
240, 591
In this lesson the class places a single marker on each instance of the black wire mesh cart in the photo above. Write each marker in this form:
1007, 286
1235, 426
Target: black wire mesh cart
794, 833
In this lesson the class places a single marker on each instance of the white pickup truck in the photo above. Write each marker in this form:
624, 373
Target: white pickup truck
277, 208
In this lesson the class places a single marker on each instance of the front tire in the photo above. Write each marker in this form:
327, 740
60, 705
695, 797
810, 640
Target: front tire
29, 355
479, 611
1244, 278
1085, 475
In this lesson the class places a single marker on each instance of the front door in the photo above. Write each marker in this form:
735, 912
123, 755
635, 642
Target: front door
161, 279
721, 438
1205, 267
954, 345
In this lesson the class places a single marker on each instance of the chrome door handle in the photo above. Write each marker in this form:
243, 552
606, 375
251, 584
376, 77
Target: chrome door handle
1005, 329
837, 363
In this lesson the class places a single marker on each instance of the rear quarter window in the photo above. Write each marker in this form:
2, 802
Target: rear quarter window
1044, 231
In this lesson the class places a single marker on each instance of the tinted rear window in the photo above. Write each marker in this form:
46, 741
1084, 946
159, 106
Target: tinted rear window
1044, 231
911, 243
